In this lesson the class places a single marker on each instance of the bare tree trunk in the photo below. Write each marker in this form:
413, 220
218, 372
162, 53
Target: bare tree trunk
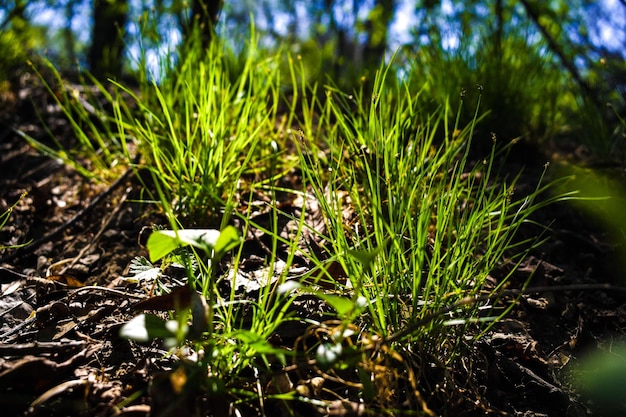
377, 28
106, 53
204, 17
68, 34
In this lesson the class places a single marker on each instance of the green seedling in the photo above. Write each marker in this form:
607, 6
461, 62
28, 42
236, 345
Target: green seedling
4, 218
214, 244
428, 225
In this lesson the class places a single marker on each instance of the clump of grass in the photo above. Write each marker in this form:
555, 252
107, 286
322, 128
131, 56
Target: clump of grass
206, 128
96, 151
415, 225
203, 131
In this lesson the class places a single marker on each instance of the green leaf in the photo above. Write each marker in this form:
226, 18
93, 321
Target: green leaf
143, 270
344, 306
201, 238
146, 327
365, 257
162, 242
227, 240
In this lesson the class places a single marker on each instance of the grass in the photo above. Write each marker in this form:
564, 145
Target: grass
4, 218
412, 225
425, 226
85, 108
201, 132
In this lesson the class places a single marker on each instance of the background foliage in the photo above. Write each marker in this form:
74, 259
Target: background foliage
540, 65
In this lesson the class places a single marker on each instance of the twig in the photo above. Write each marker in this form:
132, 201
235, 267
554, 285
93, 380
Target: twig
17, 328
33, 348
8, 275
107, 290
96, 200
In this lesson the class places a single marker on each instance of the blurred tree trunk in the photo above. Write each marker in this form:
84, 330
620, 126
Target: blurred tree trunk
105, 56
377, 26
204, 17
68, 34
499, 32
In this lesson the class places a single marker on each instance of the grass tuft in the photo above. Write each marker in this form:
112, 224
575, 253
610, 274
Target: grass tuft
414, 224
411, 224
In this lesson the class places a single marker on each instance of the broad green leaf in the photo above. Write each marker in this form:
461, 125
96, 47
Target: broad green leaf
227, 240
343, 305
146, 327
201, 238
365, 257
162, 242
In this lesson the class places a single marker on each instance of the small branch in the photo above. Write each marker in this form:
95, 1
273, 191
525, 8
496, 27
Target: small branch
54, 233
112, 291
34, 348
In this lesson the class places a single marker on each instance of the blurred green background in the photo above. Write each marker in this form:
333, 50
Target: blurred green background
545, 69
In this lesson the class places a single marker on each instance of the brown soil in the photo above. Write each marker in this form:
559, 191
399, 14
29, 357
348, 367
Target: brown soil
68, 359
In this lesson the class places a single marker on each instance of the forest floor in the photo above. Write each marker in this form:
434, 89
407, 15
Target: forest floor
68, 359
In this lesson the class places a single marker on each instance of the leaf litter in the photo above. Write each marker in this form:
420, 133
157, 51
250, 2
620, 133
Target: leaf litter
65, 297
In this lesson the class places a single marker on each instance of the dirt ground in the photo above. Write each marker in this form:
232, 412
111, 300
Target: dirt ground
68, 359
